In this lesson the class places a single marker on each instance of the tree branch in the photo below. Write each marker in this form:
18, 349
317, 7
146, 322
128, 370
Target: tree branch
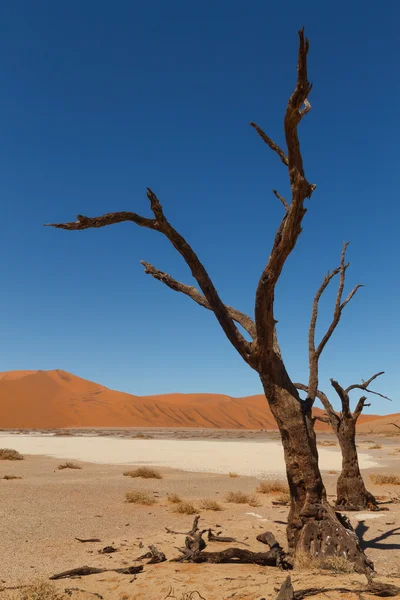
282, 199
395, 424
245, 321
333, 417
364, 386
314, 352
161, 224
344, 398
290, 227
271, 143
360, 407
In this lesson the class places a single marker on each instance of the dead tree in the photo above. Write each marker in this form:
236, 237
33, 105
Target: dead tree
312, 524
351, 491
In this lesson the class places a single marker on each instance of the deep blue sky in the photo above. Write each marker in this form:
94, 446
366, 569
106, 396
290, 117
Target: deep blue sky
101, 99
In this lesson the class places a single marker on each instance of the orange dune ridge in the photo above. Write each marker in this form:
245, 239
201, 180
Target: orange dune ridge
56, 399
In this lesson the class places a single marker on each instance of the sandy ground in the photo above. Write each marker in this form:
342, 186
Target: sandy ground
43, 513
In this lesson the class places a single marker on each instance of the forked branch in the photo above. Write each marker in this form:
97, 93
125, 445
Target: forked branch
161, 224
314, 352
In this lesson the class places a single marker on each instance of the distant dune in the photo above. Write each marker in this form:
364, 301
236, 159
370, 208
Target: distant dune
56, 399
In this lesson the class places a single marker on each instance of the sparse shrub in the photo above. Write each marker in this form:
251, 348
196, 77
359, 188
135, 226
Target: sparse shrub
9, 454
185, 508
174, 498
143, 436
274, 486
332, 472
390, 479
68, 465
139, 497
39, 589
233, 475
375, 447
327, 443
208, 504
284, 498
63, 434
242, 498
8, 477
143, 472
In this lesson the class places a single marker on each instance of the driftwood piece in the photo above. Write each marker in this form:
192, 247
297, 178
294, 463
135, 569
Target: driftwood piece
88, 540
195, 545
108, 550
83, 571
155, 556
192, 532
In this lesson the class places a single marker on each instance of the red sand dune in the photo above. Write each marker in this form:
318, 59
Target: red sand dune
56, 399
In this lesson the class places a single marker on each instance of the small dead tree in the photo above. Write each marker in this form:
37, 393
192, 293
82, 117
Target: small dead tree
313, 525
351, 491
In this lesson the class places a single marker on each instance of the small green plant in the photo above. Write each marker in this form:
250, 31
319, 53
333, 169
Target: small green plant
143, 472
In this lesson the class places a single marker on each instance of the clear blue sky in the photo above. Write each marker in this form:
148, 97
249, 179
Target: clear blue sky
101, 99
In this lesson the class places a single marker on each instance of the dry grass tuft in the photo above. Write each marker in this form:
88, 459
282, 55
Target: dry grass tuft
375, 447
139, 497
332, 472
390, 479
144, 472
284, 498
208, 504
174, 498
185, 508
326, 443
39, 589
273, 486
9, 454
242, 498
143, 436
337, 564
8, 477
68, 465
233, 475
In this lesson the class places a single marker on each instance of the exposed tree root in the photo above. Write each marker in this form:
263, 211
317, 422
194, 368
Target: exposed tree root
382, 590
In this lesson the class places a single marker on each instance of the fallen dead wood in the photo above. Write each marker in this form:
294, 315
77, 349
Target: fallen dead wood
83, 541
192, 532
83, 571
195, 545
155, 556
108, 550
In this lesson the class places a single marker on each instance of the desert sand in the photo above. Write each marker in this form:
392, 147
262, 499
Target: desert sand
57, 399
42, 514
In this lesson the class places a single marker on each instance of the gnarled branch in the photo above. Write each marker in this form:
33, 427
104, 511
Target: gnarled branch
360, 407
364, 386
245, 321
161, 224
332, 416
290, 226
271, 143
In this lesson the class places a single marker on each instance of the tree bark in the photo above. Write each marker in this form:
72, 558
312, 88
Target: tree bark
313, 525
351, 491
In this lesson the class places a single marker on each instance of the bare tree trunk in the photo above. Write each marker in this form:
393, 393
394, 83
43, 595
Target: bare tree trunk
313, 525
351, 491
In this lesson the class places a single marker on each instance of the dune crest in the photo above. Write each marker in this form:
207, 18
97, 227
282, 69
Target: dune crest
57, 399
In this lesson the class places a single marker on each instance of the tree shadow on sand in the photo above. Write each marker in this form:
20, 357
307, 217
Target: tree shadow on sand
362, 528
